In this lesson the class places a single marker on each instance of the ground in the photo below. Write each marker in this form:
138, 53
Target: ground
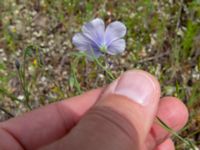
39, 65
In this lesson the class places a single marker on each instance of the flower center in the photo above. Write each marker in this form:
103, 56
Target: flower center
103, 48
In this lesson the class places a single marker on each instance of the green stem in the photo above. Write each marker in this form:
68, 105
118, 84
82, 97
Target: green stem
111, 76
174, 133
26, 94
194, 133
11, 96
77, 85
6, 93
74, 66
6, 112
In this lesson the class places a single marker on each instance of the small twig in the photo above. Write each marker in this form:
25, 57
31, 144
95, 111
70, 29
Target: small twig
6, 112
154, 57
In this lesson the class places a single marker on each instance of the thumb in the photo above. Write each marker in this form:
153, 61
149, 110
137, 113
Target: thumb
121, 118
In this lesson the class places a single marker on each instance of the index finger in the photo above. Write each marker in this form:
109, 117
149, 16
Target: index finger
47, 124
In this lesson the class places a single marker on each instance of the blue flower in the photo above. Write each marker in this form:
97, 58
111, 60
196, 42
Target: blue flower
96, 39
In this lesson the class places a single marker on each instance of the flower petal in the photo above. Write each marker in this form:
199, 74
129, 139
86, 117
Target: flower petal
81, 42
91, 53
94, 30
116, 47
114, 31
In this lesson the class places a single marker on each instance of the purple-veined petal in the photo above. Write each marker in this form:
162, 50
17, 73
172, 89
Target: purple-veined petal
116, 47
114, 31
81, 42
95, 30
93, 53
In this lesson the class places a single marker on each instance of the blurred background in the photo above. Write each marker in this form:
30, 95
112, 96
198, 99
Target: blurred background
37, 68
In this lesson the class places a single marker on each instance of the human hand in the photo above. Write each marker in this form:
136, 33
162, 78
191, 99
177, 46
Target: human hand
118, 117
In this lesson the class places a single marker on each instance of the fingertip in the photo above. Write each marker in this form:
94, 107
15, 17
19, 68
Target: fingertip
168, 144
174, 110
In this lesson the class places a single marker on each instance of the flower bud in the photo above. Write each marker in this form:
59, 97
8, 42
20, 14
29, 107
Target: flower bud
17, 64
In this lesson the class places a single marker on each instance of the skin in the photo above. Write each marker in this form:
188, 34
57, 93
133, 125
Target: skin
104, 115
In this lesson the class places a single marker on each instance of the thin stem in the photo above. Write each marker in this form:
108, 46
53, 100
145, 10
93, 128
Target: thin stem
26, 94
11, 96
6, 112
166, 127
101, 65
24, 83
194, 133
73, 68
104, 68
76, 81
